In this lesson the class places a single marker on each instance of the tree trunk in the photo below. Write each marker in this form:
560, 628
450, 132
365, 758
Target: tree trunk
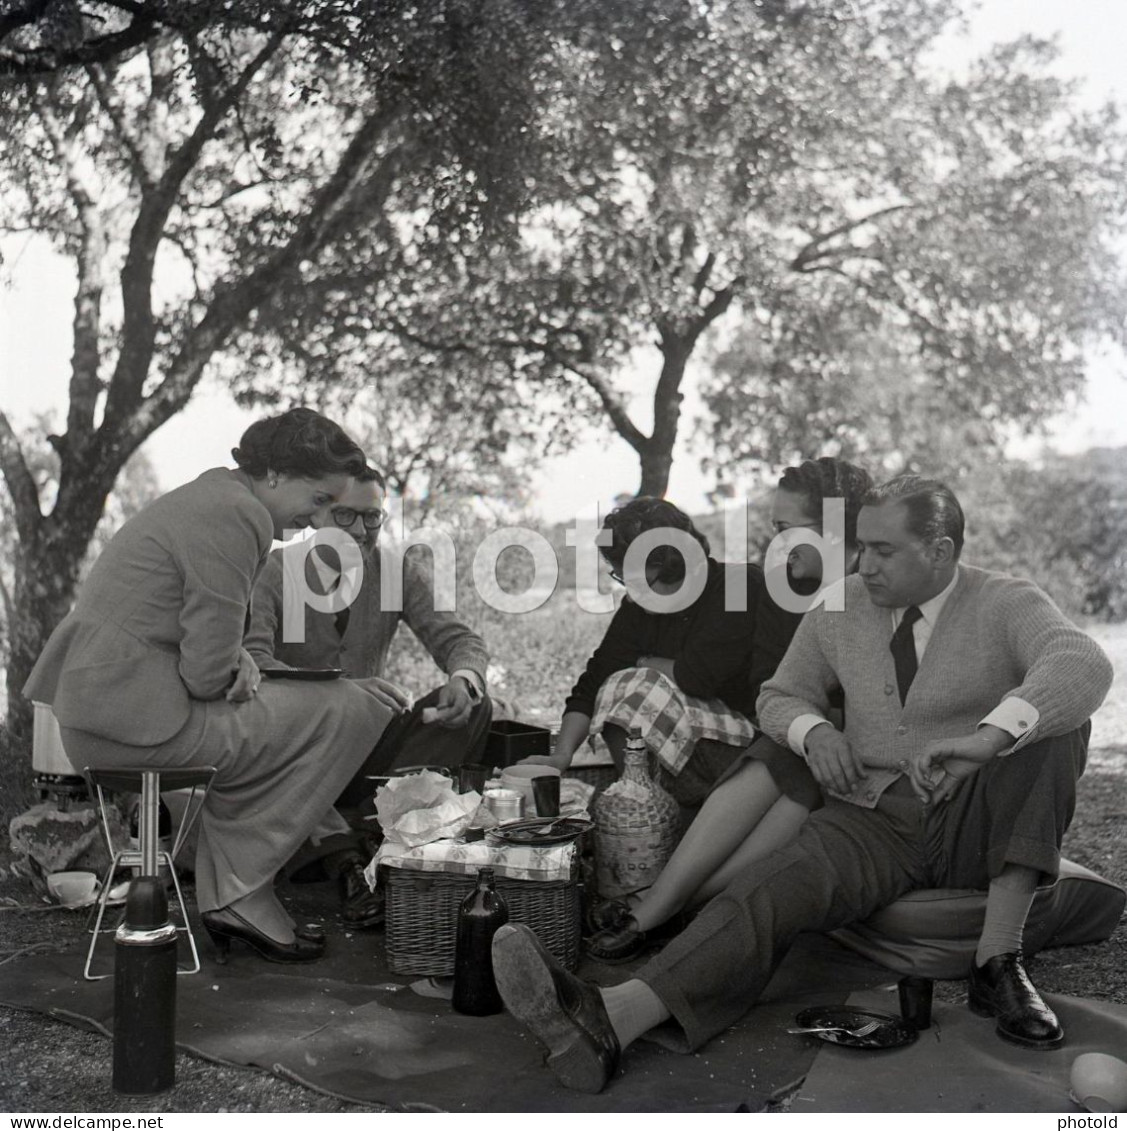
655, 452
45, 578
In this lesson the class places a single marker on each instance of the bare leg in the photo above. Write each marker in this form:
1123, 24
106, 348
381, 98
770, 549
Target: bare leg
729, 815
779, 826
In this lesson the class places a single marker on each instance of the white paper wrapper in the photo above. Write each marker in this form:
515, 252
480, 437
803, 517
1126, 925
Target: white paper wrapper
624, 788
423, 807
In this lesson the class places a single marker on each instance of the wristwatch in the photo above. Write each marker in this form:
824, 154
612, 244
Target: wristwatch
471, 687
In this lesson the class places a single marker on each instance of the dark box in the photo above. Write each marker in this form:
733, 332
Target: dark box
510, 742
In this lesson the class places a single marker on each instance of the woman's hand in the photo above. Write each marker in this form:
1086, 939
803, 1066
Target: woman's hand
247, 679
386, 692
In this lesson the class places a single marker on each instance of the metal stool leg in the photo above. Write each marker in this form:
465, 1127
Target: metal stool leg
147, 858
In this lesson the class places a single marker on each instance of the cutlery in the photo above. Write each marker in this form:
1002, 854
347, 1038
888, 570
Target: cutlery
858, 1032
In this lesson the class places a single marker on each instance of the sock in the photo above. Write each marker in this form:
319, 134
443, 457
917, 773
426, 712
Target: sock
633, 1009
1007, 906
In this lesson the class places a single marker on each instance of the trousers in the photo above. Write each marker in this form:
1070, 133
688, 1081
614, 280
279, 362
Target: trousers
847, 862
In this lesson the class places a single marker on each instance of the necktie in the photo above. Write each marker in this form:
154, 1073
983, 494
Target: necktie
341, 621
903, 649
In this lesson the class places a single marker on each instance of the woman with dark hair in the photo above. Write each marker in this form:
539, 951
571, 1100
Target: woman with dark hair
681, 674
148, 669
767, 793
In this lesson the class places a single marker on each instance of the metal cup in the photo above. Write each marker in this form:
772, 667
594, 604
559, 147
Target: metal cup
472, 777
546, 795
915, 1001
504, 804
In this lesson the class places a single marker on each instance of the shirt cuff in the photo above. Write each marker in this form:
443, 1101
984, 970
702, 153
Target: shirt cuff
1013, 715
799, 729
473, 679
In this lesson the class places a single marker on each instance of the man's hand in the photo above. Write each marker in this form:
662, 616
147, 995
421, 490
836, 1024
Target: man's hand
454, 707
392, 697
938, 769
831, 759
247, 679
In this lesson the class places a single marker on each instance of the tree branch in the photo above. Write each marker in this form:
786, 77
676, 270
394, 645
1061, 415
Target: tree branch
138, 329
47, 60
20, 483
613, 404
815, 248
327, 215
111, 103
84, 387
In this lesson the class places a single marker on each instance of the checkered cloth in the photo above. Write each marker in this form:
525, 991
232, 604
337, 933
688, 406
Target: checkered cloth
672, 723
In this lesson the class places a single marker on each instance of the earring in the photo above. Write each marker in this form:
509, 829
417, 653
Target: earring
273, 483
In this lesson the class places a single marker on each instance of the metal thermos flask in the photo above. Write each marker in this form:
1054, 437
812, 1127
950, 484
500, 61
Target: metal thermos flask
144, 1014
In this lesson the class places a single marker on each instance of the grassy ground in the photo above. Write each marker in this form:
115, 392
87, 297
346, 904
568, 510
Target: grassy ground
54, 1067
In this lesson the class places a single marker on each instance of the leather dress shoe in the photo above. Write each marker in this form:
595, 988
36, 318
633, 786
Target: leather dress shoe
617, 942
360, 907
564, 1013
609, 913
1002, 989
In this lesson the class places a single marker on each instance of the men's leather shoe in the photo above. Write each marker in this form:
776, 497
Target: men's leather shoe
1002, 989
617, 943
564, 1013
360, 907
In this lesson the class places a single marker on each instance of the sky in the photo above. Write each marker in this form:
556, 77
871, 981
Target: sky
36, 289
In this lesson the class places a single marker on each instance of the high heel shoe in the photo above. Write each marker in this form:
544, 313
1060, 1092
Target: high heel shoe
222, 932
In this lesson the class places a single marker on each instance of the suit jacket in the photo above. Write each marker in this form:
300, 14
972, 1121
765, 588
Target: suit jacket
364, 648
996, 637
160, 618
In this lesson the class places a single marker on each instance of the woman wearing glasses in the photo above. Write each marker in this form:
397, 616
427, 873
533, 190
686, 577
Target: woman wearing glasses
149, 669
763, 799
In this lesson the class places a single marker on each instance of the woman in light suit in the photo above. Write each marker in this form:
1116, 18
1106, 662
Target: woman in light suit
148, 669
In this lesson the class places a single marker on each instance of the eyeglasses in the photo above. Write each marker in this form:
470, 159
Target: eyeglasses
346, 516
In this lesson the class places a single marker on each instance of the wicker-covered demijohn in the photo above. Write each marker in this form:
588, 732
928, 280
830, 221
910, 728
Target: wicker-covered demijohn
637, 825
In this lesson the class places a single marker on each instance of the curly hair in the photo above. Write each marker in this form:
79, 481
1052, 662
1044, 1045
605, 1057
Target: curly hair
933, 510
301, 443
648, 513
829, 478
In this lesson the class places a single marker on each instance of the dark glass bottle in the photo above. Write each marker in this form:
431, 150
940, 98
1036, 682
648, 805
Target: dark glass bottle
481, 913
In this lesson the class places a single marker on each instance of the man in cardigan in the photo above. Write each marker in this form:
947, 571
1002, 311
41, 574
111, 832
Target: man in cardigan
967, 699
445, 727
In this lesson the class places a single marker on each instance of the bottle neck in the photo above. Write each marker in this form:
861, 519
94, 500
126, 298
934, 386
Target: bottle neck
634, 765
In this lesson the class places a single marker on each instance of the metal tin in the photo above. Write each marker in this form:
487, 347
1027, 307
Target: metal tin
504, 804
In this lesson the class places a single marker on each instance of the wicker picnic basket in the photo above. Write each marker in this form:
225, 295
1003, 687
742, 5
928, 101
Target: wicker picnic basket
422, 917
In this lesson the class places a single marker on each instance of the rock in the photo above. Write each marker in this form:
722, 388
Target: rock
58, 840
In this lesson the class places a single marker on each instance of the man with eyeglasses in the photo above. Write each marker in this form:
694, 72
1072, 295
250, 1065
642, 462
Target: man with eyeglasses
358, 639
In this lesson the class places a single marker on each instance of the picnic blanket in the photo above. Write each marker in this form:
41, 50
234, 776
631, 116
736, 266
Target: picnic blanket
672, 722
347, 1027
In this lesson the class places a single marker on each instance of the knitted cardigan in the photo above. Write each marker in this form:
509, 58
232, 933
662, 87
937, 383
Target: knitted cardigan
996, 637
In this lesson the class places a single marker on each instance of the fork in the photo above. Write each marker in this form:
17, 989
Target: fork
860, 1031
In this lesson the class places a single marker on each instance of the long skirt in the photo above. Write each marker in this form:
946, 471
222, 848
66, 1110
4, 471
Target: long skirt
282, 758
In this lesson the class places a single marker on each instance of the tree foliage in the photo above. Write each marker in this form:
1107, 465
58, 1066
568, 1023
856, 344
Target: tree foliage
872, 240
197, 166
